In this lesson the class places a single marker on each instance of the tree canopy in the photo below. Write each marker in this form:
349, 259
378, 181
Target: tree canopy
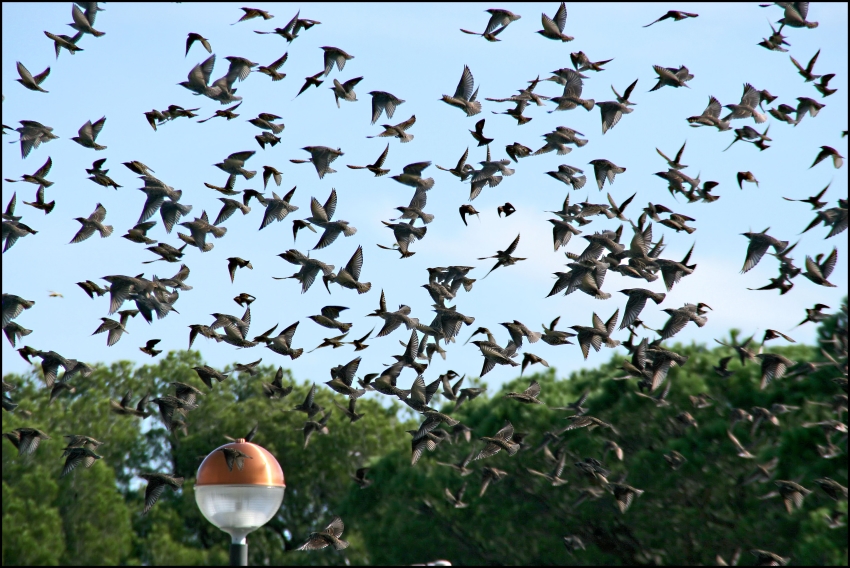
712, 504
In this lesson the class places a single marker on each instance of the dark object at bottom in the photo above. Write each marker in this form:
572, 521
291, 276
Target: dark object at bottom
238, 554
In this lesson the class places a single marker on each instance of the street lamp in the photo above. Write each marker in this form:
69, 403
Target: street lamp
242, 500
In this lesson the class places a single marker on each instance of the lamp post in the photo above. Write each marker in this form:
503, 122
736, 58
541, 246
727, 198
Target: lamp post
241, 500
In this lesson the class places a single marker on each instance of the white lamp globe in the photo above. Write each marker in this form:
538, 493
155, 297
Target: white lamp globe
240, 501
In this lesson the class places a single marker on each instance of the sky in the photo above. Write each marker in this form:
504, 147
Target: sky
416, 52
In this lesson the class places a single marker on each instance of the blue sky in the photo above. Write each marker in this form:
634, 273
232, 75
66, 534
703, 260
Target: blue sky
417, 53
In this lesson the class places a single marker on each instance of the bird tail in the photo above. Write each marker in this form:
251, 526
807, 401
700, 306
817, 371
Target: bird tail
363, 287
426, 217
588, 104
296, 353
249, 175
107, 230
218, 232
611, 342
344, 327
473, 108
579, 142
358, 393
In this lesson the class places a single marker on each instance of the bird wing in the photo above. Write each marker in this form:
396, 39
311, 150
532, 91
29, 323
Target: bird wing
828, 265
355, 263
755, 251
465, 86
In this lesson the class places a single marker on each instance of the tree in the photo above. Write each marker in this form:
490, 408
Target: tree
706, 507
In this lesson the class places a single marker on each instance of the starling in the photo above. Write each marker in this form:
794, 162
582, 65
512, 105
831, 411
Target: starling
742, 451
594, 336
82, 23
321, 157
792, 493
676, 15
604, 169
680, 317
571, 97
312, 427
192, 38
759, 243
26, 439
528, 396
398, 130
88, 134
276, 208
312, 80
501, 440
710, 116
499, 20
253, 13
675, 460
272, 68
345, 91
376, 168
295, 25
671, 76
747, 107
773, 366
157, 482
350, 413
359, 344
507, 209
336, 55
234, 163
92, 223
229, 208
624, 495
148, 349
61, 41
504, 256
612, 112
832, 488
275, 390
819, 269
359, 477
233, 456
78, 456
585, 421
115, 328
553, 28
349, 277
462, 169
827, 152
464, 97
581, 62
478, 133
30, 82
329, 536
637, 301
763, 557
124, 408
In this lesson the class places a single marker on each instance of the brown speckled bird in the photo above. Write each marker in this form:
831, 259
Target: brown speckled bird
330, 536
157, 482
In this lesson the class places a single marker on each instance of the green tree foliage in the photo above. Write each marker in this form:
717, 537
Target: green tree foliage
687, 516
684, 517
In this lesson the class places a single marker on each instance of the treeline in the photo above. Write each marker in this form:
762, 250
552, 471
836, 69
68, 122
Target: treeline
714, 503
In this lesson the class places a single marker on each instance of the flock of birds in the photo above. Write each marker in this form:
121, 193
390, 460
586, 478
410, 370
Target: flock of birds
639, 257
